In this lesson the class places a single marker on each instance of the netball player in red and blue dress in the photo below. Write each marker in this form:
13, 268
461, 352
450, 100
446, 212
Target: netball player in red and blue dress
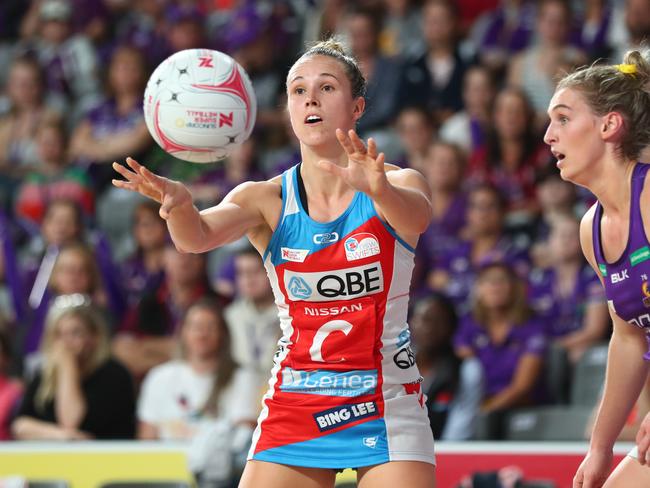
600, 123
337, 234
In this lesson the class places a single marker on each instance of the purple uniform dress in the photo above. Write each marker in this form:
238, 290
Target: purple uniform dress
500, 361
462, 271
563, 315
627, 285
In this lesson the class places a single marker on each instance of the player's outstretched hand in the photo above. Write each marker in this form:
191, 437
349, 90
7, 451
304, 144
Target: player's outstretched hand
365, 170
593, 470
169, 193
643, 441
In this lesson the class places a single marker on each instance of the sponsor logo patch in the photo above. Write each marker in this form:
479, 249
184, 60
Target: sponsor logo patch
344, 414
329, 383
295, 255
326, 238
370, 442
361, 246
341, 284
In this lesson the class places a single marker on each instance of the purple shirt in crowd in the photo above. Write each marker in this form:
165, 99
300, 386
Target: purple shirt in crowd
500, 361
137, 280
563, 314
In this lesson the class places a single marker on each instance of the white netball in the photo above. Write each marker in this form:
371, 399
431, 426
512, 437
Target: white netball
199, 105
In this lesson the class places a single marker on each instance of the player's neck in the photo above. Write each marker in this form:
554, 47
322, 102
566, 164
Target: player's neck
319, 182
615, 198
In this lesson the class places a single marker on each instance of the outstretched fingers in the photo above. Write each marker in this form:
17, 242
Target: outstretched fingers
357, 143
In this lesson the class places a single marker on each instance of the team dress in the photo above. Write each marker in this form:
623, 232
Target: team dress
627, 283
344, 390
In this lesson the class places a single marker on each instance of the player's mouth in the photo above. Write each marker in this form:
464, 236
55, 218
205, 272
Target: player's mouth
558, 155
313, 119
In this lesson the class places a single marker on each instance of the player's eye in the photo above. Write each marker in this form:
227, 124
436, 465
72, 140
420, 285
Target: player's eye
299, 90
328, 88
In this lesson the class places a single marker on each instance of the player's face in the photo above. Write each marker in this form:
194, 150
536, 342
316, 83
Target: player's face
320, 100
573, 134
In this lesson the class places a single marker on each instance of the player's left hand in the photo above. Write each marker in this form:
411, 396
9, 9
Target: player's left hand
365, 170
643, 441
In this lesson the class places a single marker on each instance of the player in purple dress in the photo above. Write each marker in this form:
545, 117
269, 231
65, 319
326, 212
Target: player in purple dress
600, 123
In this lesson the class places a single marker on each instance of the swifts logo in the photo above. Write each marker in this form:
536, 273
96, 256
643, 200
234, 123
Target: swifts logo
361, 246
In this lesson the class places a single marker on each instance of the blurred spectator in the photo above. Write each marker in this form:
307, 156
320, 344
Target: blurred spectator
382, 73
143, 26
443, 168
416, 130
483, 241
10, 388
433, 326
594, 26
74, 271
401, 34
53, 178
635, 28
253, 317
69, 60
27, 109
79, 392
506, 30
116, 127
143, 271
506, 338
535, 69
467, 127
146, 338
435, 79
185, 28
512, 154
568, 295
205, 382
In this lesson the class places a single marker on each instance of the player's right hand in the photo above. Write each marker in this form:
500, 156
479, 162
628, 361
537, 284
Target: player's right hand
593, 470
169, 193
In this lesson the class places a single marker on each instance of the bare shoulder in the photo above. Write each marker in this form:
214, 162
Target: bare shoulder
586, 236
258, 193
406, 177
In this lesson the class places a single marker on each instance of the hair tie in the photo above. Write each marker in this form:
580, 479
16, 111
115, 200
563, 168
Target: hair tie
628, 69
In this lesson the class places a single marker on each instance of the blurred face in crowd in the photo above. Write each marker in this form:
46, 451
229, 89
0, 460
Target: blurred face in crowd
553, 22
126, 72
50, 142
564, 241
415, 131
24, 85
55, 31
484, 213
241, 159
251, 279
75, 335
443, 167
511, 115
431, 326
478, 91
183, 269
186, 34
61, 224
494, 288
72, 273
438, 24
200, 332
555, 193
363, 37
149, 230
637, 18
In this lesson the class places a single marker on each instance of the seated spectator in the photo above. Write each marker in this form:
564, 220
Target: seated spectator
10, 389
443, 168
143, 270
253, 317
433, 326
510, 343
467, 127
594, 27
416, 131
18, 127
568, 294
535, 69
401, 33
115, 127
53, 178
79, 391
205, 382
146, 337
511, 156
483, 240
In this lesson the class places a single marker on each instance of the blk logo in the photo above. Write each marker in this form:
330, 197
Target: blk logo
618, 277
205, 62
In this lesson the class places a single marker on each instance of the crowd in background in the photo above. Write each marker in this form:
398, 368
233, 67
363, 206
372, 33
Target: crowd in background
109, 332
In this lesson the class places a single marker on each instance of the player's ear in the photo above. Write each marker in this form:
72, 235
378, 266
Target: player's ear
358, 108
612, 125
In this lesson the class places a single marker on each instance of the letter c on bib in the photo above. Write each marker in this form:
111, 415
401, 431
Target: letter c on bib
322, 333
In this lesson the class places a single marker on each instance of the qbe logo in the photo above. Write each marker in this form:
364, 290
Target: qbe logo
337, 284
344, 414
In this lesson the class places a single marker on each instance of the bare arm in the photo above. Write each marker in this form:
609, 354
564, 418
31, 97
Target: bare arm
239, 213
147, 431
123, 142
69, 401
29, 428
526, 374
595, 324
